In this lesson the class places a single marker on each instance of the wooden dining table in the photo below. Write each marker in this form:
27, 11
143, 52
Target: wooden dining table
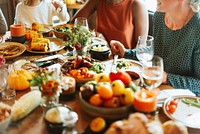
34, 122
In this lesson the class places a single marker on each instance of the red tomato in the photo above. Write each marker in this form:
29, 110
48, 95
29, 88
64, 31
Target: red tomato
123, 76
113, 76
171, 108
173, 102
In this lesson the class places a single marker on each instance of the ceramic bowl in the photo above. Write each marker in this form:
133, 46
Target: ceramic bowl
4, 123
100, 51
107, 113
135, 77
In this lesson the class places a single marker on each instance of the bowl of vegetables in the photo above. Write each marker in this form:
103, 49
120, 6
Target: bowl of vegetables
60, 30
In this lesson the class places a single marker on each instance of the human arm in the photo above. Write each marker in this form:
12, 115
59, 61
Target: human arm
3, 24
119, 49
87, 10
140, 20
188, 82
61, 11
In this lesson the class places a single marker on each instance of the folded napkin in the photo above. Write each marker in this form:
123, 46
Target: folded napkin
167, 93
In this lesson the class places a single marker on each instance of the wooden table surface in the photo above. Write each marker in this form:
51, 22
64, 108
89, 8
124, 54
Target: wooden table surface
34, 122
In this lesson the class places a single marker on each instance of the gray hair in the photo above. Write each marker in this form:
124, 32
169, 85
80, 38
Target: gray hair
195, 5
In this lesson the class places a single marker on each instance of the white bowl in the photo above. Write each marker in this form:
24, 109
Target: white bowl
5, 122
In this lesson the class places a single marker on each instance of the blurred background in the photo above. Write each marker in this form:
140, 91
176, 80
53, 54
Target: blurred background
8, 8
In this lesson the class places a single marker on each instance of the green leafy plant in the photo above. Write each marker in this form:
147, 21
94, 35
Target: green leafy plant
48, 81
77, 37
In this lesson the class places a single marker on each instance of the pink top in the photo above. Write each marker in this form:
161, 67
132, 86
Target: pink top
115, 21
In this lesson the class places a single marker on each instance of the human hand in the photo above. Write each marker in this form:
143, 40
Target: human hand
117, 48
165, 81
56, 4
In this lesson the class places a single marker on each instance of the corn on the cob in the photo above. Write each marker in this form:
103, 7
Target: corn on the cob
25, 105
40, 44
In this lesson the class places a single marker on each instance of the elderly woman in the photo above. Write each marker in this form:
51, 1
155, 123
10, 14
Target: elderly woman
3, 24
177, 41
29, 11
122, 20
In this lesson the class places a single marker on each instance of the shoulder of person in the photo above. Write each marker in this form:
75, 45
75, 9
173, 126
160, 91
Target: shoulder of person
138, 7
138, 3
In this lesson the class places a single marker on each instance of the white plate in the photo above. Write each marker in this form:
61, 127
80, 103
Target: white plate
21, 47
187, 114
55, 45
135, 66
47, 28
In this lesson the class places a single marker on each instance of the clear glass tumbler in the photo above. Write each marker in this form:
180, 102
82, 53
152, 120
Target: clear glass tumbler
6, 92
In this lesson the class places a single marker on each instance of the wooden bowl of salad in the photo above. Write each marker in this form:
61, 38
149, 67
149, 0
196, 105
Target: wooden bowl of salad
60, 30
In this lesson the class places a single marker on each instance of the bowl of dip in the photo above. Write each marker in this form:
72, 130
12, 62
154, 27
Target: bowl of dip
100, 51
60, 119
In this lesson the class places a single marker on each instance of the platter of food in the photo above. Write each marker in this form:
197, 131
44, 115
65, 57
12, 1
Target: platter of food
44, 45
123, 65
185, 109
11, 50
79, 69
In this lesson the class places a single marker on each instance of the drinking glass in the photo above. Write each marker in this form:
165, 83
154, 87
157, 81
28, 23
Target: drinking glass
1, 39
81, 21
152, 73
6, 92
145, 48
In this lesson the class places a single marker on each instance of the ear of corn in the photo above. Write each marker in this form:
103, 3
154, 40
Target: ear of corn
25, 105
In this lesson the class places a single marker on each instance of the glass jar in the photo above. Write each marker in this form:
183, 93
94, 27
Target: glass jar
82, 52
50, 100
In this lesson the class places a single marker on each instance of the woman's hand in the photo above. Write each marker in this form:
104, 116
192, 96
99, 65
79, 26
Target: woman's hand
117, 48
57, 4
165, 81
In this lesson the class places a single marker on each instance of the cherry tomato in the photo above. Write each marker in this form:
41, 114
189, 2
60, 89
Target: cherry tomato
173, 102
171, 108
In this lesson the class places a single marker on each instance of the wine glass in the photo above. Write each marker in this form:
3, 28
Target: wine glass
152, 73
145, 48
81, 21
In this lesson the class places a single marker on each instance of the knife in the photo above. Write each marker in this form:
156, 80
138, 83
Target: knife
55, 57
45, 63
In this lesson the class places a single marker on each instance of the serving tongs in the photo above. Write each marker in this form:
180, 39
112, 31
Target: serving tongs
114, 64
